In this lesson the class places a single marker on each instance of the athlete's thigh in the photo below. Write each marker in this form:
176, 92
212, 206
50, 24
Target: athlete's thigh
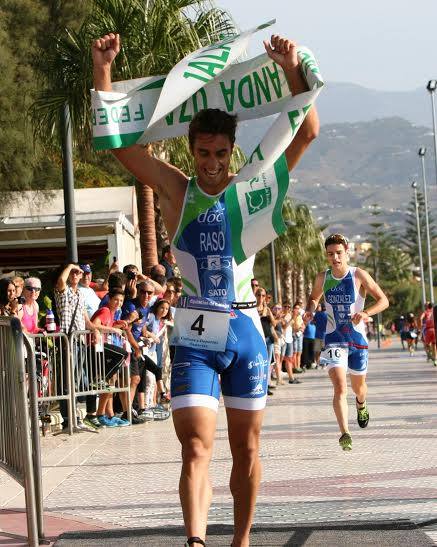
194, 382
195, 424
338, 377
244, 428
244, 383
358, 361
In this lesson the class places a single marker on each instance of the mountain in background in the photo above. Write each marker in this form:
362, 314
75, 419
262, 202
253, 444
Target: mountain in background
348, 103
352, 166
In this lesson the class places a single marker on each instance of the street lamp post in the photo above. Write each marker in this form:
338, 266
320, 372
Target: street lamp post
431, 87
419, 240
422, 152
68, 183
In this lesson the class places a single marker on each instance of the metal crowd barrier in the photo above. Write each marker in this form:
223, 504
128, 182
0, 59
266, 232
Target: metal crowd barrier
51, 359
17, 457
89, 374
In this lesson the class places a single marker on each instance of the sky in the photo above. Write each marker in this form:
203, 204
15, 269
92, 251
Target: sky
381, 44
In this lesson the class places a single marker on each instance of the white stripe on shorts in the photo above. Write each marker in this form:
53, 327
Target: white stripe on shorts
194, 399
244, 403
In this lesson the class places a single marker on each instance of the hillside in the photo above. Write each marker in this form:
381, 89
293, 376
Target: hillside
353, 165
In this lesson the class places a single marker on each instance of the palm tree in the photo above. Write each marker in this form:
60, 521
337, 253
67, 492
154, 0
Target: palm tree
299, 251
156, 34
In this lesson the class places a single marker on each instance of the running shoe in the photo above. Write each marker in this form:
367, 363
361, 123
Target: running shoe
91, 421
107, 422
147, 415
363, 416
120, 422
80, 426
160, 413
345, 441
294, 381
136, 418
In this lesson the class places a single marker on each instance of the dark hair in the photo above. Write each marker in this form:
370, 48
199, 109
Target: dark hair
4, 284
129, 268
116, 280
337, 239
214, 122
116, 291
158, 303
176, 282
429, 306
159, 278
166, 249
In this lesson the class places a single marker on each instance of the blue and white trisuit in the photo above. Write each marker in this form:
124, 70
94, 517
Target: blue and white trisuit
345, 343
203, 250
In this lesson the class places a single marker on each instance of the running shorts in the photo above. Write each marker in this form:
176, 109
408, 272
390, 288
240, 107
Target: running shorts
240, 372
352, 359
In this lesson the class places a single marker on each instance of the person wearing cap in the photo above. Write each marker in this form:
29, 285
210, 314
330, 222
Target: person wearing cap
31, 292
92, 301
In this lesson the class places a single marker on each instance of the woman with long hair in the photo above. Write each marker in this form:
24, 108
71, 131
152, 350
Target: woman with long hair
9, 304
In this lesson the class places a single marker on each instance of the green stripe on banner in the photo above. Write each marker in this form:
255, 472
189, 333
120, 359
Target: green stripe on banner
155, 85
116, 141
234, 212
283, 179
188, 285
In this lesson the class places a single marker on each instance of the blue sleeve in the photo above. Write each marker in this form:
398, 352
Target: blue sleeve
127, 308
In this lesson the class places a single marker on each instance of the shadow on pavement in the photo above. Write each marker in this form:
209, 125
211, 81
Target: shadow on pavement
380, 533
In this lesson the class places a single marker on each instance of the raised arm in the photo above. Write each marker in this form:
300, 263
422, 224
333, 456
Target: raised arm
284, 53
157, 174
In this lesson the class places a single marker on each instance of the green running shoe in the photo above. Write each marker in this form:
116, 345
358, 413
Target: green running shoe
345, 441
363, 416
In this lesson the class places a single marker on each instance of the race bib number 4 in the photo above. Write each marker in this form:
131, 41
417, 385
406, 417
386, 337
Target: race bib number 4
201, 324
336, 356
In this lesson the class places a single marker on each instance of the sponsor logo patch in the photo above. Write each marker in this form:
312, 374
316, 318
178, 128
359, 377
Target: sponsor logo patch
258, 199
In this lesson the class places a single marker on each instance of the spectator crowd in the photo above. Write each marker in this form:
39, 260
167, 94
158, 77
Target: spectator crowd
124, 323
128, 318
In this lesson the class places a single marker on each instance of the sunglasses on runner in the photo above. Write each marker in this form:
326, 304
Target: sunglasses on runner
36, 289
147, 292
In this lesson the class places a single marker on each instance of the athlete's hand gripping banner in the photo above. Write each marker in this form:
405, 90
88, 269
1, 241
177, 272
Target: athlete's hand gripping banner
149, 109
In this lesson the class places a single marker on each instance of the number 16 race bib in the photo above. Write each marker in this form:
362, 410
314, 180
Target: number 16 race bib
335, 356
201, 323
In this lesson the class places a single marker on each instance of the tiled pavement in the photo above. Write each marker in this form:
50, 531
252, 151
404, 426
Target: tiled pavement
128, 477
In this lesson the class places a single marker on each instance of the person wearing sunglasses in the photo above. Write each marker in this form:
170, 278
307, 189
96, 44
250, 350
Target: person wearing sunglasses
344, 289
31, 292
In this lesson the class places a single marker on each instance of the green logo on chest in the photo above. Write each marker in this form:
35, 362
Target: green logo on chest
258, 199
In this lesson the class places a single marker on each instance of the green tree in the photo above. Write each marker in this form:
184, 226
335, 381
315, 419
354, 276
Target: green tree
155, 35
299, 252
409, 240
23, 28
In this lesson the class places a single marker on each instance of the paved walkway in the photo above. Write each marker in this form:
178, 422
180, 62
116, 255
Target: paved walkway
128, 477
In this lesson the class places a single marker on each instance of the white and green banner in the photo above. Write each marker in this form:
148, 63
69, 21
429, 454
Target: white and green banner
160, 107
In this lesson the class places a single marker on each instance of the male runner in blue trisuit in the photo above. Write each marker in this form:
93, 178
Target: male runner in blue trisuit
194, 212
344, 289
